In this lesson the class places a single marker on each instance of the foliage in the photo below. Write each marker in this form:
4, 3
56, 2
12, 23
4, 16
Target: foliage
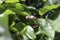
30, 19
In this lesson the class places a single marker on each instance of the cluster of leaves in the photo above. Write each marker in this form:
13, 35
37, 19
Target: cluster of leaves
26, 21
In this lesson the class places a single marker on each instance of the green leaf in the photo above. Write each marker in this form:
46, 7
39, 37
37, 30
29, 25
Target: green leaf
44, 0
1, 2
2, 9
25, 13
46, 28
12, 28
56, 23
21, 13
4, 24
8, 12
11, 1
5, 16
45, 9
30, 33
9, 5
23, 0
25, 37
20, 26
19, 6
23, 30
15, 6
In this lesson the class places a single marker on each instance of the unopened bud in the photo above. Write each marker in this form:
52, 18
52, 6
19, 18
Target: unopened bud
30, 17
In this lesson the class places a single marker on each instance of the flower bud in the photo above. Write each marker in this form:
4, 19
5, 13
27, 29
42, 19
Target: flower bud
30, 17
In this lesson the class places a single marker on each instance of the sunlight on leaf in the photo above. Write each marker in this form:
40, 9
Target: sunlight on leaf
11, 1
30, 33
46, 28
45, 9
